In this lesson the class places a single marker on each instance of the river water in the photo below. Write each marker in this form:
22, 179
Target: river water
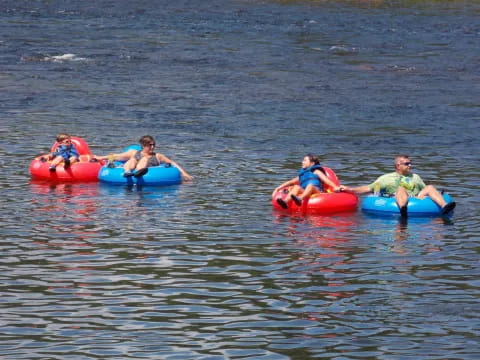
237, 92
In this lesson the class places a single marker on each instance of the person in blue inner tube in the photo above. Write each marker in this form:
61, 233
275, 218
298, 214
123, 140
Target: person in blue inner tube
138, 161
402, 184
65, 152
309, 181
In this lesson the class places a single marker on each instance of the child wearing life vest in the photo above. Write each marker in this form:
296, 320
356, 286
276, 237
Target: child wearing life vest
309, 181
65, 152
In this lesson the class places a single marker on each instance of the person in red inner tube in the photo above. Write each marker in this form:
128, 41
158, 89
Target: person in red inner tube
138, 161
65, 152
309, 181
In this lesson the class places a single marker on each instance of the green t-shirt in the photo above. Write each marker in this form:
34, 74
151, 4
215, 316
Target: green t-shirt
389, 183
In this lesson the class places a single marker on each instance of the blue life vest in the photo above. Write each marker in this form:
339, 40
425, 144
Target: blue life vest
306, 177
66, 151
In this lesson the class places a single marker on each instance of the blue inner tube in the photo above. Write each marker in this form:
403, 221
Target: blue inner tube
161, 175
380, 205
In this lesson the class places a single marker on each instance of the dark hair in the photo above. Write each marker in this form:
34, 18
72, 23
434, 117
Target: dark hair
145, 140
313, 158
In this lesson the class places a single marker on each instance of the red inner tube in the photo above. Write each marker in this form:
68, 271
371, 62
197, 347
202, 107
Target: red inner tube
81, 171
324, 203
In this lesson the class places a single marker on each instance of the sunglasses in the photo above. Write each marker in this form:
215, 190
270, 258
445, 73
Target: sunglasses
152, 144
406, 163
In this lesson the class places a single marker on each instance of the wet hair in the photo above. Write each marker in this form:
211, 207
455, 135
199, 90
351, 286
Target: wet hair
62, 137
313, 158
145, 140
400, 156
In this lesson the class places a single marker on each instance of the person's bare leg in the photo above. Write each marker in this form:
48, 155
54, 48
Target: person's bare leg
129, 166
433, 193
309, 190
293, 191
57, 160
142, 163
401, 197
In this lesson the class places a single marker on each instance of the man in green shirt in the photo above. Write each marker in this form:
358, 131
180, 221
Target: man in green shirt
403, 184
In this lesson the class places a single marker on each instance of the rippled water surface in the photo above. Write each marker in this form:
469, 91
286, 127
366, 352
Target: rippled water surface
237, 92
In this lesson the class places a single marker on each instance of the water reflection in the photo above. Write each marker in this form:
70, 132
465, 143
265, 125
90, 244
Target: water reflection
144, 196
62, 202
65, 235
66, 212
407, 235
347, 259
325, 254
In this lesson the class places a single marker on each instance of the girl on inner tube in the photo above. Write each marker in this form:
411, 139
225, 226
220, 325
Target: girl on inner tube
309, 181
